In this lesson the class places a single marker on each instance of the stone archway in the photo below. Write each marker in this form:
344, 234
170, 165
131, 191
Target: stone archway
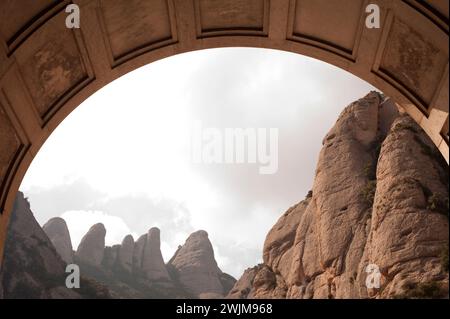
47, 70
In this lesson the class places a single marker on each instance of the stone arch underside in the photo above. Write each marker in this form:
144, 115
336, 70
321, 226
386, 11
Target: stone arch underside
47, 70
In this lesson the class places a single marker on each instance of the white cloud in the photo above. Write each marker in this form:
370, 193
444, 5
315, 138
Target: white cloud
129, 141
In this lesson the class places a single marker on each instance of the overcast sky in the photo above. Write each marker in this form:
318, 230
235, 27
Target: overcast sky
123, 156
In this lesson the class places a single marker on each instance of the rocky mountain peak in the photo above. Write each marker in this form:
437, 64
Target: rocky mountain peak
125, 255
57, 231
380, 197
153, 265
197, 268
92, 245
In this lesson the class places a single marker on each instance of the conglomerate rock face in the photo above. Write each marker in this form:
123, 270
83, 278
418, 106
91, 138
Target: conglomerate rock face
92, 245
409, 226
34, 268
152, 261
379, 199
125, 255
57, 231
137, 269
197, 268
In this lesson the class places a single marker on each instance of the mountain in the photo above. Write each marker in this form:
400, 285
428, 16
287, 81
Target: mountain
377, 213
35, 261
137, 269
92, 246
196, 268
380, 198
58, 233
32, 267
131, 269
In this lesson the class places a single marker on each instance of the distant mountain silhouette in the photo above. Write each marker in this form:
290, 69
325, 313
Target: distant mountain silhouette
34, 266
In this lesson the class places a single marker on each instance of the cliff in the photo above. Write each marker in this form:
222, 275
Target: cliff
378, 208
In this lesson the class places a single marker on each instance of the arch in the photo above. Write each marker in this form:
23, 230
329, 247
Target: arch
47, 70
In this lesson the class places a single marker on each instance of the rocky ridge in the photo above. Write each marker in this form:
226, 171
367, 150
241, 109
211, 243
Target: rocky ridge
32, 267
57, 231
36, 258
380, 197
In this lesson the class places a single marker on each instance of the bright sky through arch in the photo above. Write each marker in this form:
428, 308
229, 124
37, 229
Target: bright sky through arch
122, 157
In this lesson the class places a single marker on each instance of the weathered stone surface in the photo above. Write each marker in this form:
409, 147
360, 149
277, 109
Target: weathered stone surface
227, 282
330, 238
409, 228
138, 252
262, 281
244, 287
92, 245
110, 257
197, 268
125, 257
153, 265
279, 242
268, 285
379, 197
259, 282
57, 231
